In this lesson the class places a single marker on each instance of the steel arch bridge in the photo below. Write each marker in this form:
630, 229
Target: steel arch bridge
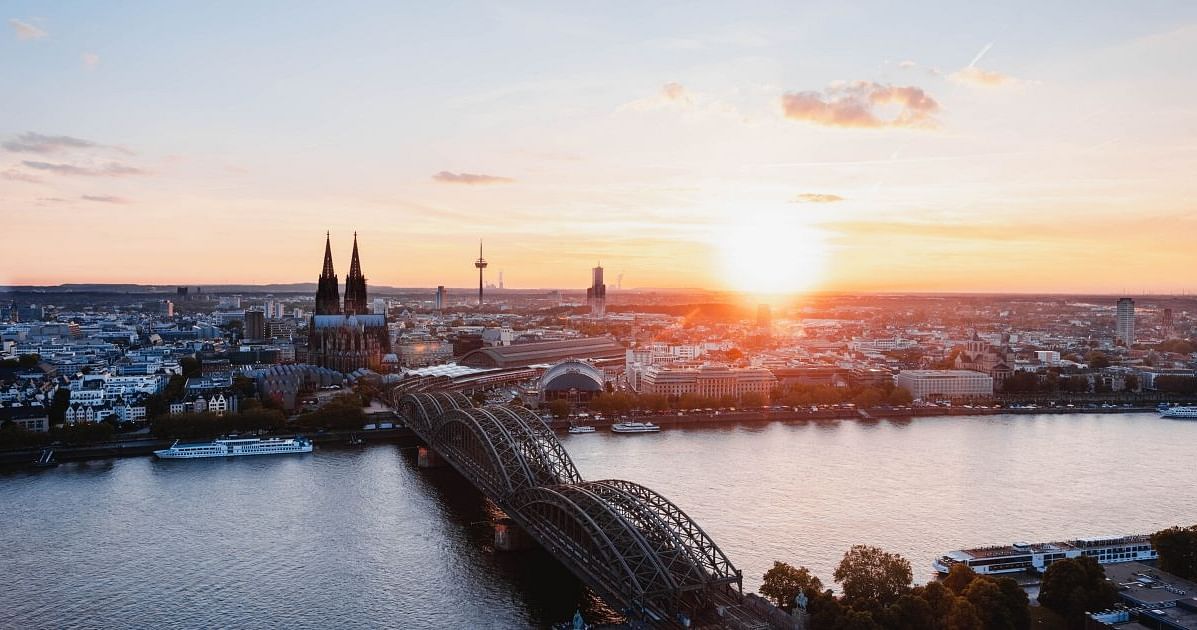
639, 551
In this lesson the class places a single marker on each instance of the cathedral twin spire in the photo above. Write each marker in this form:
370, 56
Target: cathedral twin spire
328, 301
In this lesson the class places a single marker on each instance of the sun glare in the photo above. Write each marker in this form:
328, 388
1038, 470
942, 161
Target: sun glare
771, 254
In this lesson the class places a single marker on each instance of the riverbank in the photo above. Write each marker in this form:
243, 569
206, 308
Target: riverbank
141, 446
698, 418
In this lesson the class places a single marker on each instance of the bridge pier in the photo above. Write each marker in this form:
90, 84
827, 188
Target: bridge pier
509, 536
427, 458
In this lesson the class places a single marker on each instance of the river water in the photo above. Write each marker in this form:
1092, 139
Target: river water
361, 538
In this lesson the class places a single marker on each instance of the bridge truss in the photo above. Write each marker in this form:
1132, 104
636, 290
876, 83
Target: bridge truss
634, 547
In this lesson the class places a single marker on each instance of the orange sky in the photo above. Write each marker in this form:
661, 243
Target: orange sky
680, 149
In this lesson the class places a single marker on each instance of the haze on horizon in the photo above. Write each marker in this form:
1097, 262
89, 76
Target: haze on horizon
875, 147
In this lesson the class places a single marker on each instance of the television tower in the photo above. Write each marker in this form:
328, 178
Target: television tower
480, 264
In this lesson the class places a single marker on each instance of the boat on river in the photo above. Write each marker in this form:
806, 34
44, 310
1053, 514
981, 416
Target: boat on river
236, 447
1022, 556
1180, 412
635, 427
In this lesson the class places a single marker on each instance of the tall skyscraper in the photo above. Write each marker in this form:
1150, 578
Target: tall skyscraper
255, 325
500, 278
440, 298
328, 294
596, 295
355, 286
1126, 321
480, 264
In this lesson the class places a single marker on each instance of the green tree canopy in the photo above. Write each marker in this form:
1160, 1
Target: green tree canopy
871, 578
1074, 586
1177, 547
783, 582
559, 408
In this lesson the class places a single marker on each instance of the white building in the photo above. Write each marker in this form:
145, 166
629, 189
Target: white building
1048, 357
929, 385
710, 381
1126, 321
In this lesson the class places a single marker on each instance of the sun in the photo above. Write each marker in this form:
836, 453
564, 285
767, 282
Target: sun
770, 253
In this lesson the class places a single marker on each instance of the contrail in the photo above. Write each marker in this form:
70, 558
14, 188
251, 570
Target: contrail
980, 54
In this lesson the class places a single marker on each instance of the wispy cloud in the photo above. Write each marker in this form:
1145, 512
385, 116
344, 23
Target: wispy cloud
90, 59
104, 199
974, 75
862, 104
817, 198
25, 30
112, 169
18, 175
447, 177
33, 142
671, 95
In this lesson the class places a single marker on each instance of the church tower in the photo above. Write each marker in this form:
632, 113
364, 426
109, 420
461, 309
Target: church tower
328, 299
355, 286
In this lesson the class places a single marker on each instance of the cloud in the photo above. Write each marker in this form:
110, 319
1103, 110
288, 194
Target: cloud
31, 142
104, 198
20, 176
817, 198
672, 95
90, 60
972, 75
25, 30
112, 169
906, 64
857, 104
446, 177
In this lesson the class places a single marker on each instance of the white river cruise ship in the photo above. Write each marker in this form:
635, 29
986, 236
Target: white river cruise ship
1023, 556
235, 447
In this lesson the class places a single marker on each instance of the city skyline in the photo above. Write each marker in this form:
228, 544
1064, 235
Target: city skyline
794, 149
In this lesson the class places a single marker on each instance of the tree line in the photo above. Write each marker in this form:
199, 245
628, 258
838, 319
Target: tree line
877, 593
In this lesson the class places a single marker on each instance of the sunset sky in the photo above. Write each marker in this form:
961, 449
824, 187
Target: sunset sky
795, 146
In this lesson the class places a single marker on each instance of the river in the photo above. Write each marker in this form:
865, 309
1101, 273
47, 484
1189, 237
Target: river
361, 538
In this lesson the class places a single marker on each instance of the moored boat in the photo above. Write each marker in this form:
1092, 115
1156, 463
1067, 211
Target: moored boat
1022, 556
635, 427
236, 447
581, 429
1180, 412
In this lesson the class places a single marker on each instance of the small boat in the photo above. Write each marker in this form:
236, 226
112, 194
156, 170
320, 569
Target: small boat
581, 429
46, 459
635, 427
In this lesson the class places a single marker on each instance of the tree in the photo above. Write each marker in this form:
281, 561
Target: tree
1074, 586
59, 405
751, 399
783, 582
1097, 360
559, 407
999, 607
190, 366
1177, 547
29, 361
871, 578
899, 396
1131, 382
959, 577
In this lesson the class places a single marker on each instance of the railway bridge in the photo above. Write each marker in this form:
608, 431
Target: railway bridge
636, 549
